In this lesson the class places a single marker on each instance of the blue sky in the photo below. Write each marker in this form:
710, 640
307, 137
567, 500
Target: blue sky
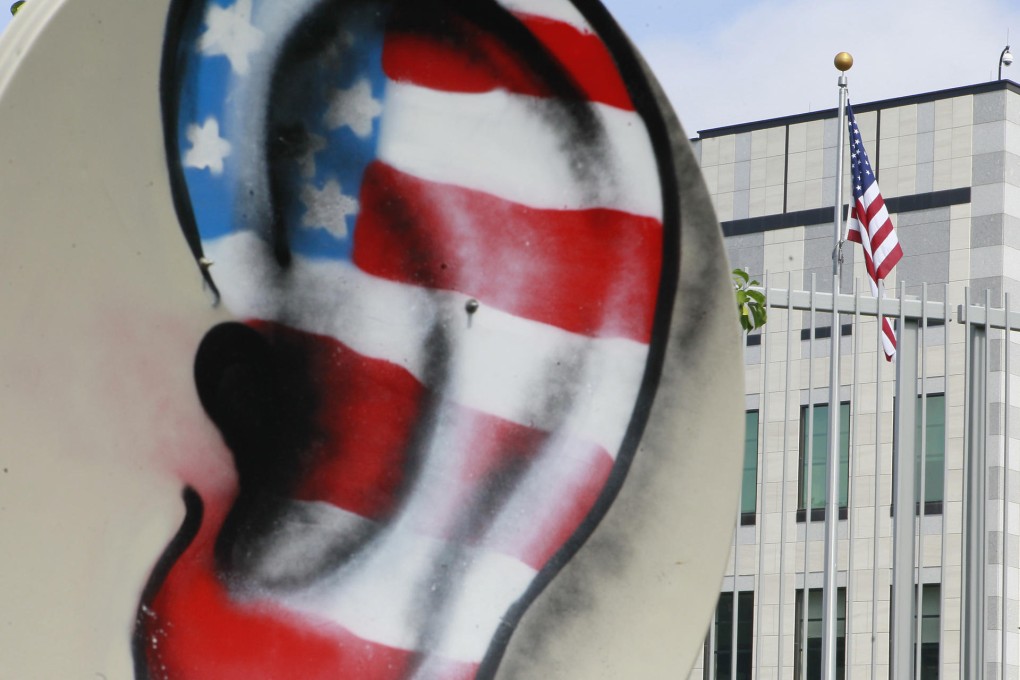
733, 61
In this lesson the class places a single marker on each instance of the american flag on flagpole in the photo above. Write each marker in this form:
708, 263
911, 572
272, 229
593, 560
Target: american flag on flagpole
870, 225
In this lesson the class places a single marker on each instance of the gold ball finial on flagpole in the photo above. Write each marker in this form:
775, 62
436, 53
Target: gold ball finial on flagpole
843, 61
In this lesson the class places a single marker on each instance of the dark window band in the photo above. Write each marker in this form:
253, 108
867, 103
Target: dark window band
807, 218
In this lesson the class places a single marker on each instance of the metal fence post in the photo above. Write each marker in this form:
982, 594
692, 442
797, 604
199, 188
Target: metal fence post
974, 504
902, 628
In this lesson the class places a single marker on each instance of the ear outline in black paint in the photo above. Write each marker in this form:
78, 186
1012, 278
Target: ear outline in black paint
649, 109
194, 510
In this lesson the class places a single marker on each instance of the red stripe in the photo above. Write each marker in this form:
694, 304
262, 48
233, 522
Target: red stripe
889, 333
586, 59
364, 418
593, 272
869, 266
452, 54
373, 420
195, 630
872, 209
879, 235
854, 228
880, 231
866, 248
889, 262
887, 329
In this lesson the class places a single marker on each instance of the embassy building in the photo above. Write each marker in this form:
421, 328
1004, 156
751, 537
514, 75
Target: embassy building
948, 165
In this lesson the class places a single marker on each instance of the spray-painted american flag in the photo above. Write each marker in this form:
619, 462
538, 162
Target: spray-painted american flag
870, 225
357, 173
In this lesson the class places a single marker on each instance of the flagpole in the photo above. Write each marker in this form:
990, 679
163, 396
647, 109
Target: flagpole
830, 603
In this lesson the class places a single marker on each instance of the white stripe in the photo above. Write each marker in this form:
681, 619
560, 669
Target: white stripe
385, 594
557, 10
520, 148
520, 370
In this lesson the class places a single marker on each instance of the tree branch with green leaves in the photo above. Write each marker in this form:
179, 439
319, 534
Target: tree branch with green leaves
750, 301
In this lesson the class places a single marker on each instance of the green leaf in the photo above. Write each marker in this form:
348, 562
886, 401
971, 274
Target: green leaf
756, 295
751, 308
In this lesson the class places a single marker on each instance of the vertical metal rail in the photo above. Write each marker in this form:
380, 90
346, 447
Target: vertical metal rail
782, 496
809, 459
735, 606
879, 356
830, 605
922, 495
974, 501
967, 662
760, 506
945, 485
850, 589
983, 507
712, 649
1004, 593
901, 630
913, 510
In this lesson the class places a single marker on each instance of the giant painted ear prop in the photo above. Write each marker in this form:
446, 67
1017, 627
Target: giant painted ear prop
472, 373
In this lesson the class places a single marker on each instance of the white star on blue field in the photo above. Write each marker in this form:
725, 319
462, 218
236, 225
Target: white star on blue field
322, 119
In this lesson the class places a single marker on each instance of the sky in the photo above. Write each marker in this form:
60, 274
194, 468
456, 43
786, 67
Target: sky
724, 62
735, 61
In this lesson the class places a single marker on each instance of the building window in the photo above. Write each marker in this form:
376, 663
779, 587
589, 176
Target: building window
749, 486
818, 459
931, 596
814, 634
931, 601
723, 637
935, 453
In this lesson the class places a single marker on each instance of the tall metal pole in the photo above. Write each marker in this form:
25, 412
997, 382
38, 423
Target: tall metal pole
830, 604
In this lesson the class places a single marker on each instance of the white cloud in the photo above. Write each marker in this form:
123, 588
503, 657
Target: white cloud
775, 58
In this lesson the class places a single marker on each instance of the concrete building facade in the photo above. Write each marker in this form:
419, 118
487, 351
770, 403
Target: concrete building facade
948, 164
